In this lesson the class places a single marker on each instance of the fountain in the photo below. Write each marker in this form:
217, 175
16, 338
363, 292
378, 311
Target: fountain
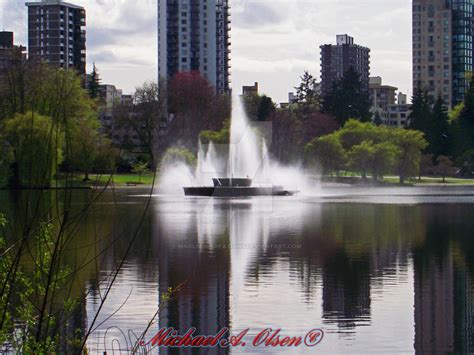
247, 161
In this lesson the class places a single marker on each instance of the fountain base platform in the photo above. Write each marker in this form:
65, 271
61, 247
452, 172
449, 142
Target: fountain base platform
225, 187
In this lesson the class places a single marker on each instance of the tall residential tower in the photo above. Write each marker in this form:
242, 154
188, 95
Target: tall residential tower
56, 33
337, 59
194, 35
442, 47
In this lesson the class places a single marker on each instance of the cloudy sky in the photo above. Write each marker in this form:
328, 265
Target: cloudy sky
273, 41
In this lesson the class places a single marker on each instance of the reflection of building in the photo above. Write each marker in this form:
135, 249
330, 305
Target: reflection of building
195, 36
463, 311
434, 308
442, 47
346, 290
10, 55
337, 59
204, 301
56, 34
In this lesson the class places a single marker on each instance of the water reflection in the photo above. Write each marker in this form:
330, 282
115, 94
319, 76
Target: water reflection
376, 277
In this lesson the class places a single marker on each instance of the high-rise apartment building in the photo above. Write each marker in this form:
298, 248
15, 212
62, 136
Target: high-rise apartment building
56, 33
337, 59
442, 47
194, 35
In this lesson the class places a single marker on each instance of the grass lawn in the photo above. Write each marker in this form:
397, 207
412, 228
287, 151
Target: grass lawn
431, 180
116, 179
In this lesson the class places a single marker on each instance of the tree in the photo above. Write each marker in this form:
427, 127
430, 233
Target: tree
348, 99
440, 135
466, 162
317, 124
420, 117
148, 117
178, 155
464, 126
35, 143
83, 147
94, 83
258, 107
426, 165
286, 144
410, 144
445, 167
140, 168
361, 157
384, 156
307, 94
327, 153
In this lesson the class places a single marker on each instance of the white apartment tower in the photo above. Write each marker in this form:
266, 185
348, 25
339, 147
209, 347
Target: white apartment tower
193, 35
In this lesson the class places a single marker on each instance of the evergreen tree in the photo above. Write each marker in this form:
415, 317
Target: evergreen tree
307, 94
464, 127
94, 83
420, 117
348, 99
440, 135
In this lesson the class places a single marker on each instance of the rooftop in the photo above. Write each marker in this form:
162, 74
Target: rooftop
53, 2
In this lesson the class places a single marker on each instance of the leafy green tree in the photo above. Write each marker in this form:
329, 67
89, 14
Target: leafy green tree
178, 155
327, 153
348, 99
361, 158
36, 144
140, 168
355, 132
410, 144
94, 83
384, 156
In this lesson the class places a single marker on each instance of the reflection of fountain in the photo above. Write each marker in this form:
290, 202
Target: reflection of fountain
245, 158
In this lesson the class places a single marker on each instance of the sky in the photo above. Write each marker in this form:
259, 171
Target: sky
273, 41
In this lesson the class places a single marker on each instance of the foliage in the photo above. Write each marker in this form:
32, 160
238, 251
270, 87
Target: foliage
307, 94
30, 320
35, 143
464, 126
370, 148
466, 162
140, 168
94, 83
445, 167
326, 152
348, 99
361, 156
410, 144
178, 155
216, 137
258, 107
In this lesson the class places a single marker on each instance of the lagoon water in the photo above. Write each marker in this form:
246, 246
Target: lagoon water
379, 270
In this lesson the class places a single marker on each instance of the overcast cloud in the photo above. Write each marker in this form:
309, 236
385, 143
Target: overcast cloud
273, 42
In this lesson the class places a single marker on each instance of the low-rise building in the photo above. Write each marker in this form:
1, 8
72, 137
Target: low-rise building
397, 114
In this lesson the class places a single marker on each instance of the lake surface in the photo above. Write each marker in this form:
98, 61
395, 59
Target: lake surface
379, 270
